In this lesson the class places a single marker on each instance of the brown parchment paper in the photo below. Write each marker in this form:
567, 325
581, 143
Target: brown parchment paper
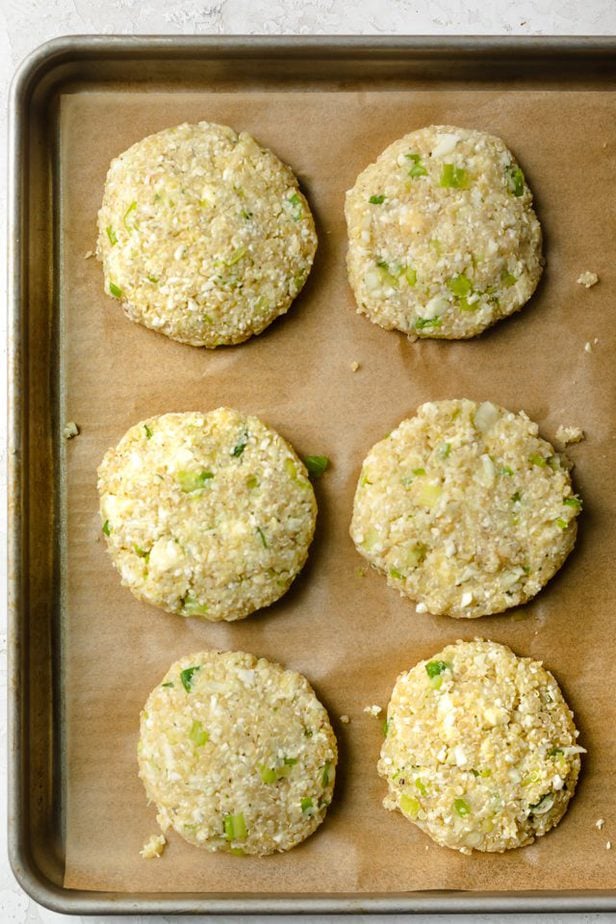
351, 635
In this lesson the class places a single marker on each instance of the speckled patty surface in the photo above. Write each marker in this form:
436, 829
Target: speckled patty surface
206, 515
465, 508
443, 239
481, 751
204, 234
237, 753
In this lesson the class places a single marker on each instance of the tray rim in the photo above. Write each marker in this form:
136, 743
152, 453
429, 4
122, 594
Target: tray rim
29, 74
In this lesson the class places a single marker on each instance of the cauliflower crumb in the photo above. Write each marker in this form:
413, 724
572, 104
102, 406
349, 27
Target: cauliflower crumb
70, 430
345, 719
568, 435
588, 347
153, 847
421, 608
599, 823
373, 710
587, 279
354, 366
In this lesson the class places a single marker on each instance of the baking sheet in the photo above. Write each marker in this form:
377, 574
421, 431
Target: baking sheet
350, 634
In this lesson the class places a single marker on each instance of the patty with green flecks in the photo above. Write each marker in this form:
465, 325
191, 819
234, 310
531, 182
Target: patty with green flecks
465, 509
207, 515
481, 749
204, 234
443, 238
237, 753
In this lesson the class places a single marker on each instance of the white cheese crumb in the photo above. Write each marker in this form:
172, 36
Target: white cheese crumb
599, 823
588, 347
568, 435
70, 430
587, 279
345, 719
354, 366
153, 847
373, 710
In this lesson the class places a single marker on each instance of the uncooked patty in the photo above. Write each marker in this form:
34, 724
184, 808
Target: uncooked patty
443, 239
465, 508
237, 753
204, 235
206, 515
481, 750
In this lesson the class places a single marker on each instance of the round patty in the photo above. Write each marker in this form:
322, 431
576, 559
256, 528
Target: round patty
465, 508
206, 515
443, 239
204, 234
237, 753
481, 751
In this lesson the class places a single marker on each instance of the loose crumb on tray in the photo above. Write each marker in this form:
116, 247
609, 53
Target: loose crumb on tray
70, 430
587, 279
588, 346
599, 823
373, 710
345, 719
566, 436
153, 847
354, 366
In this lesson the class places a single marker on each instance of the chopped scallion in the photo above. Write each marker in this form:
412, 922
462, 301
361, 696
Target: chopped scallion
377, 200
434, 668
115, 290
515, 180
316, 465
106, 528
186, 676
418, 169
453, 177
307, 805
262, 537
461, 807
193, 481
113, 238
198, 734
148, 432
422, 323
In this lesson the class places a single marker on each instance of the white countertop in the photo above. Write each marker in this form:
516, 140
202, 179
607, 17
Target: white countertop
25, 24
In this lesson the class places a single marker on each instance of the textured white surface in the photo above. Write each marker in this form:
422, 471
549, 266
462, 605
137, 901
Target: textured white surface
25, 24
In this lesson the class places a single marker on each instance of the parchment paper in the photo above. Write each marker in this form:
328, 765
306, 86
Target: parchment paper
350, 634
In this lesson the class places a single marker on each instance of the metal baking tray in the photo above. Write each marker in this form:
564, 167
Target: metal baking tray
37, 779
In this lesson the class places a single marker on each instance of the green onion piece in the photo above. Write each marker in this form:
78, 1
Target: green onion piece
168, 684
290, 761
240, 446
186, 676
385, 727
575, 502
192, 607
556, 752
316, 465
394, 573
246, 214
460, 285
295, 474
376, 200
444, 450
421, 323
508, 279
409, 805
236, 256
193, 481
485, 773
544, 805
115, 290
297, 210
434, 668
505, 470
461, 807
418, 168
325, 774
307, 805
148, 432
113, 238
252, 481
152, 279
142, 553
268, 775
537, 459
235, 827
516, 498
515, 180
262, 537
410, 275
130, 209
198, 734
453, 177
106, 528
562, 524
421, 787
419, 471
